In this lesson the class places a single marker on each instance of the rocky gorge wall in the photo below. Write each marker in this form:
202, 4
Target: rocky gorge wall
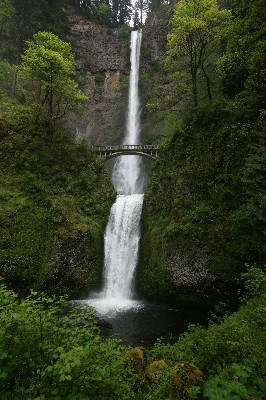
102, 70
153, 79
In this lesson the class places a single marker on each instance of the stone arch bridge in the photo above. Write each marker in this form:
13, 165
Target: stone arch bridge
144, 150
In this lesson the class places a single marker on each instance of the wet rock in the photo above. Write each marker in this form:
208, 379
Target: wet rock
102, 323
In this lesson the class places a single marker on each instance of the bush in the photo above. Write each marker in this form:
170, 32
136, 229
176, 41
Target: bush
238, 382
45, 354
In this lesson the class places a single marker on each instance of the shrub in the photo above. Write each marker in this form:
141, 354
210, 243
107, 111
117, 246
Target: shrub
45, 354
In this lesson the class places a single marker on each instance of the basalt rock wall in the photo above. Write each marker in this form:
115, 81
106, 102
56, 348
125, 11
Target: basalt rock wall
154, 82
102, 68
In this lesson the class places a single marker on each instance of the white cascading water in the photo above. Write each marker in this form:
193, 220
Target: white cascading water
123, 230
127, 175
121, 247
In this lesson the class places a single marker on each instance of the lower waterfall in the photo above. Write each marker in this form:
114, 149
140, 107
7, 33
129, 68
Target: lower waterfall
121, 246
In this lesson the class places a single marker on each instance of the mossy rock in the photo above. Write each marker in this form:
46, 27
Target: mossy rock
184, 376
136, 357
154, 368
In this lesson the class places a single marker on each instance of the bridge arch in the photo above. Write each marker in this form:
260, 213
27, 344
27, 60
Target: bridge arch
147, 150
133, 153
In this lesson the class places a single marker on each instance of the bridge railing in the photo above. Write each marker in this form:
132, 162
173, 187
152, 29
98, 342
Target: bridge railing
126, 147
144, 150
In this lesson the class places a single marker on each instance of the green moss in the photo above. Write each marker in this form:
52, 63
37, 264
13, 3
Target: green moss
136, 359
153, 368
184, 376
55, 198
202, 213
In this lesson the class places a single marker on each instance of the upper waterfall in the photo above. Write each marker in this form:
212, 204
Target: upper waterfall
127, 175
133, 117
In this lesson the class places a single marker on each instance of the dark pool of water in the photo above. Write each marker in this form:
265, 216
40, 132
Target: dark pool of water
143, 324
142, 327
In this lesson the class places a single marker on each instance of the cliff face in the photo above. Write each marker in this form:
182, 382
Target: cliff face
155, 34
171, 267
102, 69
154, 82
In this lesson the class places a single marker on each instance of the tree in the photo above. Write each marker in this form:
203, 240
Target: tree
197, 25
46, 67
6, 13
122, 10
242, 66
156, 4
141, 8
136, 19
29, 17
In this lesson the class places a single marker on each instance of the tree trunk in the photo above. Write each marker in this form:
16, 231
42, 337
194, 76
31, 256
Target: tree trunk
51, 104
14, 80
50, 97
208, 83
195, 89
14, 83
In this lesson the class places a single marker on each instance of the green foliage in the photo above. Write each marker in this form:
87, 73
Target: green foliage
47, 66
46, 355
254, 281
240, 336
125, 32
55, 197
121, 12
6, 13
194, 39
231, 353
242, 66
7, 72
54, 194
209, 186
112, 14
205, 204
237, 382
27, 18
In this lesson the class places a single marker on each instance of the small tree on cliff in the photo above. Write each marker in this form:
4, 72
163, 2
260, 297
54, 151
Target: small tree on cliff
197, 25
47, 67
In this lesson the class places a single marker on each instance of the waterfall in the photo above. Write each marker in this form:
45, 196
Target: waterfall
122, 233
121, 246
127, 176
